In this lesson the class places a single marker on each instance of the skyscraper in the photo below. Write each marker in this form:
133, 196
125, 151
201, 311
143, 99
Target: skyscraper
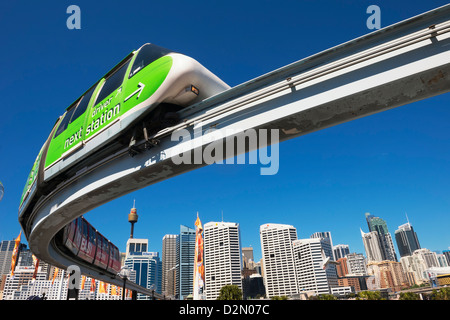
406, 238
223, 261
146, 265
326, 247
6, 251
356, 264
340, 251
372, 246
446, 254
169, 261
309, 258
185, 261
384, 237
247, 256
136, 246
327, 237
280, 275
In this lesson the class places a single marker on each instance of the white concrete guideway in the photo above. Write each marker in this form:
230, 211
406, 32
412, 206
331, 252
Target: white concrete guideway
394, 66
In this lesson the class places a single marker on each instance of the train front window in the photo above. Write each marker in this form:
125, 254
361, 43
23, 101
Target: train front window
64, 122
113, 82
147, 55
82, 106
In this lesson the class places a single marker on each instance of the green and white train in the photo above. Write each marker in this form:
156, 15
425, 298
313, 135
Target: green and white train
144, 90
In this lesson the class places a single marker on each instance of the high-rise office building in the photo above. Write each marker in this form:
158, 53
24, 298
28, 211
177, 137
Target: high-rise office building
326, 246
384, 237
406, 238
427, 257
340, 251
446, 254
6, 251
222, 257
356, 264
247, 257
280, 277
185, 262
372, 246
169, 261
136, 246
442, 260
327, 237
146, 266
20, 287
312, 274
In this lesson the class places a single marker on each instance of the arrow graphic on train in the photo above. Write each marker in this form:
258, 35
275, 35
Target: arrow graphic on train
141, 87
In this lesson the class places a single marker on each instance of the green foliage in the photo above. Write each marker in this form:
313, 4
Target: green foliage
230, 292
409, 296
279, 298
369, 295
441, 294
326, 297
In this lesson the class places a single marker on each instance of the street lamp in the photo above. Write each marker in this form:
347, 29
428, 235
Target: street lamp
124, 274
44, 292
153, 287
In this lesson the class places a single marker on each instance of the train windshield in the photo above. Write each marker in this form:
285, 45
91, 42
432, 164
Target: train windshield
64, 122
82, 106
147, 55
112, 82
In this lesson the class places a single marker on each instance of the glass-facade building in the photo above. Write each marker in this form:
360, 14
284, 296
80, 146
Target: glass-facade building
185, 262
407, 241
169, 262
146, 266
378, 225
6, 251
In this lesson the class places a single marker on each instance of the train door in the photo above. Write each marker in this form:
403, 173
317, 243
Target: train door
83, 242
114, 259
78, 236
105, 254
91, 244
69, 236
99, 252
102, 254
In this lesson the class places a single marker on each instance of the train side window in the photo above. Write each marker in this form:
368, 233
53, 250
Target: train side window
147, 55
92, 236
105, 246
82, 106
112, 82
65, 121
85, 230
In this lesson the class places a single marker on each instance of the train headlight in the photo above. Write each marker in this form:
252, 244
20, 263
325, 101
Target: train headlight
195, 90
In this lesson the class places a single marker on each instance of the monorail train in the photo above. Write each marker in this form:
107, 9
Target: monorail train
85, 242
144, 90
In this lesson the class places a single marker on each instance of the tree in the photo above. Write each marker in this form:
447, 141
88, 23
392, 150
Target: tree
279, 298
409, 296
230, 292
326, 297
369, 295
441, 294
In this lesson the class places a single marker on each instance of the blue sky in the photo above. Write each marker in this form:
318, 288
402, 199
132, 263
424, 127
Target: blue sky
388, 164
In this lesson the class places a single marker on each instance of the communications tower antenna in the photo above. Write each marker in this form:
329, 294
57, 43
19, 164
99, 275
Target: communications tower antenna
133, 218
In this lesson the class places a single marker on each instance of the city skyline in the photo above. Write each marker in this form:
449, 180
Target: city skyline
388, 164
313, 273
